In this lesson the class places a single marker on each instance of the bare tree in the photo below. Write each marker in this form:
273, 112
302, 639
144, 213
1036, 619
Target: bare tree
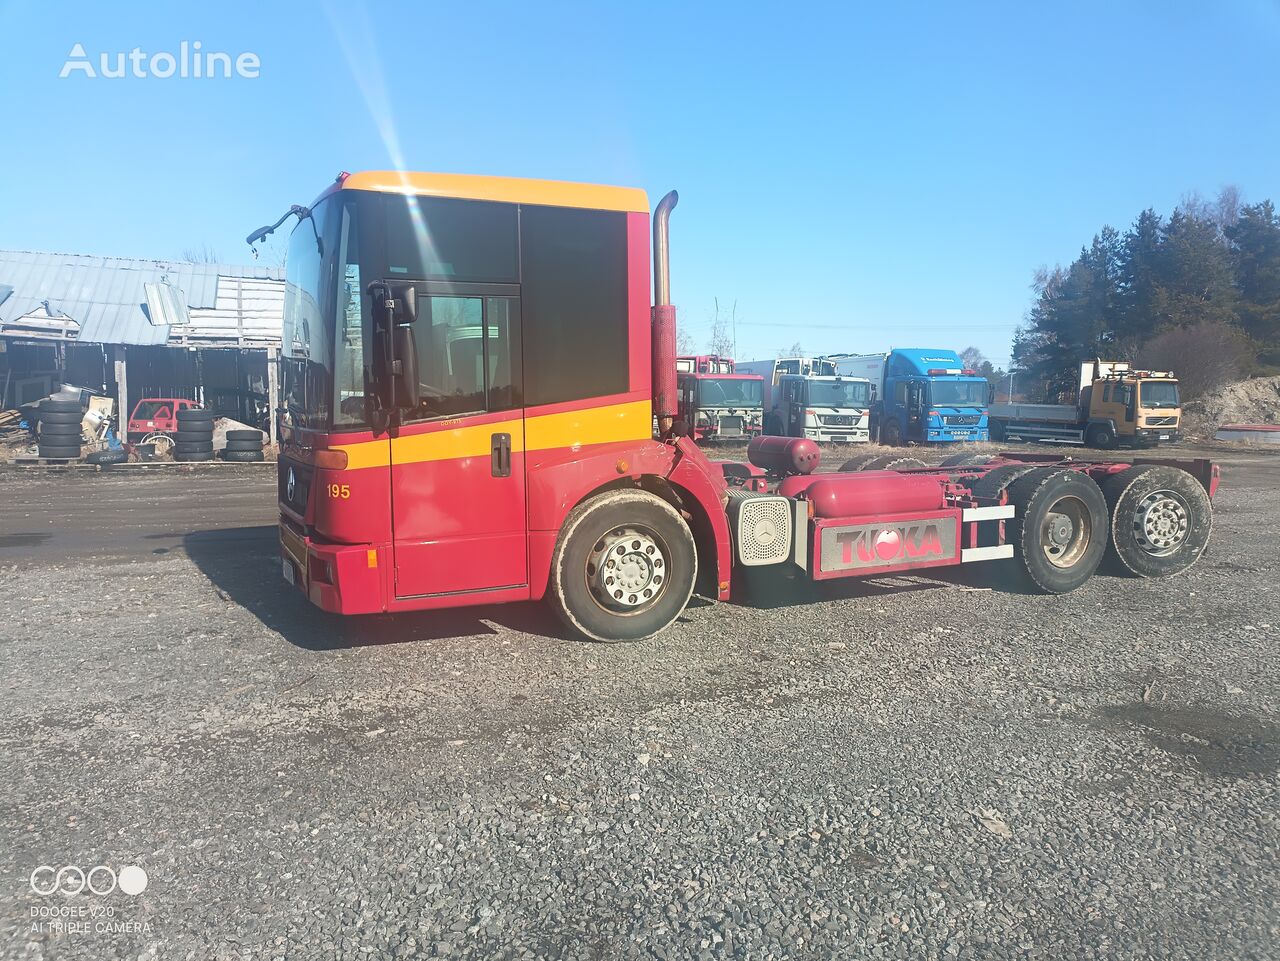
795, 350
1203, 356
723, 324
204, 254
1223, 211
685, 345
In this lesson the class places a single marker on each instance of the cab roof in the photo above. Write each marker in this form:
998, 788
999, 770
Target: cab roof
511, 190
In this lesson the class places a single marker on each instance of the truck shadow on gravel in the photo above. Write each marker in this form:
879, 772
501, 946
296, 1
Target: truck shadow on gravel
1219, 745
243, 565
762, 588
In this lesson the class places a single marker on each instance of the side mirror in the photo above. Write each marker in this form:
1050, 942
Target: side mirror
991, 394
404, 382
397, 354
405, 297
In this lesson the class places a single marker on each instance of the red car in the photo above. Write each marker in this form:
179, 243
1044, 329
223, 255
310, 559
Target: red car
153, 415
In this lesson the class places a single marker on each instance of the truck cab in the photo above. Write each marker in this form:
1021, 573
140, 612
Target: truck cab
704, 364
924, 396
721, 406
1114, 405
827, 408
1137, 408
805, 397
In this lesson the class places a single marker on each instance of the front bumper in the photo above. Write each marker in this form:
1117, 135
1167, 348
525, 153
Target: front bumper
958, 434
340, 578
838, 435
1153, 436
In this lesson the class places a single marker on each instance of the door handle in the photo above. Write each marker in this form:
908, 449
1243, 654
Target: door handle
500, 455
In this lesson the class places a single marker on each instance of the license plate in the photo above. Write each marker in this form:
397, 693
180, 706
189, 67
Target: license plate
1164, 436
839, 439
287, 570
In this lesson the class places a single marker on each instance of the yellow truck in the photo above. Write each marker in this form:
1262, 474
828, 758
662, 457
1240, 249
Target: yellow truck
1115, 405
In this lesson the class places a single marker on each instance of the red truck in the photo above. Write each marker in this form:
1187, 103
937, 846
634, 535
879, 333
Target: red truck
447, 446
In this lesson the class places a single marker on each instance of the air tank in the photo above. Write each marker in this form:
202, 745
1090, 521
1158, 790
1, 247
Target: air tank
784, 455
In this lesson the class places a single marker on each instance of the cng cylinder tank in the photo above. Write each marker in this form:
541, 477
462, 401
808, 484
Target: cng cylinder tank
866, 493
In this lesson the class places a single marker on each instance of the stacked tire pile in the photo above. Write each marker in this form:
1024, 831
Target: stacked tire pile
243, 446
60, 430
194, 440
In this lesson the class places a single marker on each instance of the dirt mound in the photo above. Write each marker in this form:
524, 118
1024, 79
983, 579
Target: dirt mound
1254, 401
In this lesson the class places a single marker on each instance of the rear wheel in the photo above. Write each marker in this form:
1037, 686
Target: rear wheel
623, 568
893, 462
1161, 519
1058, 530
992, 485
966, 460
858, 463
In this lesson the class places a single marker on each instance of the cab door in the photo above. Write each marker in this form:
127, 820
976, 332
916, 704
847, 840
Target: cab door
796, 406
457, 460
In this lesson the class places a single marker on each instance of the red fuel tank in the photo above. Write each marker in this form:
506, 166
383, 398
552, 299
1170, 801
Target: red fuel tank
866, 493
784, 455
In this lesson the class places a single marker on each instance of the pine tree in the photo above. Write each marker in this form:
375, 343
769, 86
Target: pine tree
1255, 242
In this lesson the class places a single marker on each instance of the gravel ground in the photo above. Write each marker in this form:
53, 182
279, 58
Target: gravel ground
909, 767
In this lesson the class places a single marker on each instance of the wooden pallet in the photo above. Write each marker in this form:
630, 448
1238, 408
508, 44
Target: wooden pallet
37, 460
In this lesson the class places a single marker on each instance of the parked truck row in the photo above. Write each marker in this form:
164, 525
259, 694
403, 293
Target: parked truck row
918, 396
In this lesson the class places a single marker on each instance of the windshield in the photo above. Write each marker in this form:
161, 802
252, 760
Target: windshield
1158, 393
839, 393
958, 393
728, 392
307, 355
323, 363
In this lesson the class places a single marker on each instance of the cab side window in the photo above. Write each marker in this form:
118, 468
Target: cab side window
573, 298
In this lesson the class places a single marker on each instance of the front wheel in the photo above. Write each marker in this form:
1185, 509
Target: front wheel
1100, 436
623, 568
891, 434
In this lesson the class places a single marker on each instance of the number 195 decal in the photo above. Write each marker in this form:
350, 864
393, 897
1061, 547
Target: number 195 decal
342, 491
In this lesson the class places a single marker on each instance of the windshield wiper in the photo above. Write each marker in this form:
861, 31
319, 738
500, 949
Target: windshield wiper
302, 213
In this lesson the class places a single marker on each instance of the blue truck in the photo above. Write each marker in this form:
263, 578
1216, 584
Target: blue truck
922, 395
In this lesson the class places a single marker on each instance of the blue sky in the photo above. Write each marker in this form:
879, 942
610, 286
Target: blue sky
854, 176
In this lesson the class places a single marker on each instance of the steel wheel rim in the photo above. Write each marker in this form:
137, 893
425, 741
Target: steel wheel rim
627, 570
1066, 532
1161, 523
